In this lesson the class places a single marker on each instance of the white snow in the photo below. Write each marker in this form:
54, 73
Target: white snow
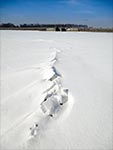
83, 64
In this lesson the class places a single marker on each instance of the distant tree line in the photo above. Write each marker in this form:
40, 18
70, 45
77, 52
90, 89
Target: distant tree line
57, 27
7, 25
45, 25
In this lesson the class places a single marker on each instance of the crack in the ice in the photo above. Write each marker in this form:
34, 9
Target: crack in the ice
56, 95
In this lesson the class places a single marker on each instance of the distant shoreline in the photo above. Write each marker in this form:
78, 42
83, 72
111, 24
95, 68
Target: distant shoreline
52, 29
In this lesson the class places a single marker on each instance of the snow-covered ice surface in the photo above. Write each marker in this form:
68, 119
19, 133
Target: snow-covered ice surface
83, 62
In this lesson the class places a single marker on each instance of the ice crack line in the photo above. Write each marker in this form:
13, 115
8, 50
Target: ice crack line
55, 96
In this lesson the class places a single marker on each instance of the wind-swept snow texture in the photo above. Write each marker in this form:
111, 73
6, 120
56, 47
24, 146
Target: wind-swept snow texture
56, 90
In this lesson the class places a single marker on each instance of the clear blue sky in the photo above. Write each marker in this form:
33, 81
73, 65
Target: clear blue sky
92, 12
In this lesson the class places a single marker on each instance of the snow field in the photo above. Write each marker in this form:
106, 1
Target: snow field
83, 62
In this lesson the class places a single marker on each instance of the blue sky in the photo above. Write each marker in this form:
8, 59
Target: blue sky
92, 12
